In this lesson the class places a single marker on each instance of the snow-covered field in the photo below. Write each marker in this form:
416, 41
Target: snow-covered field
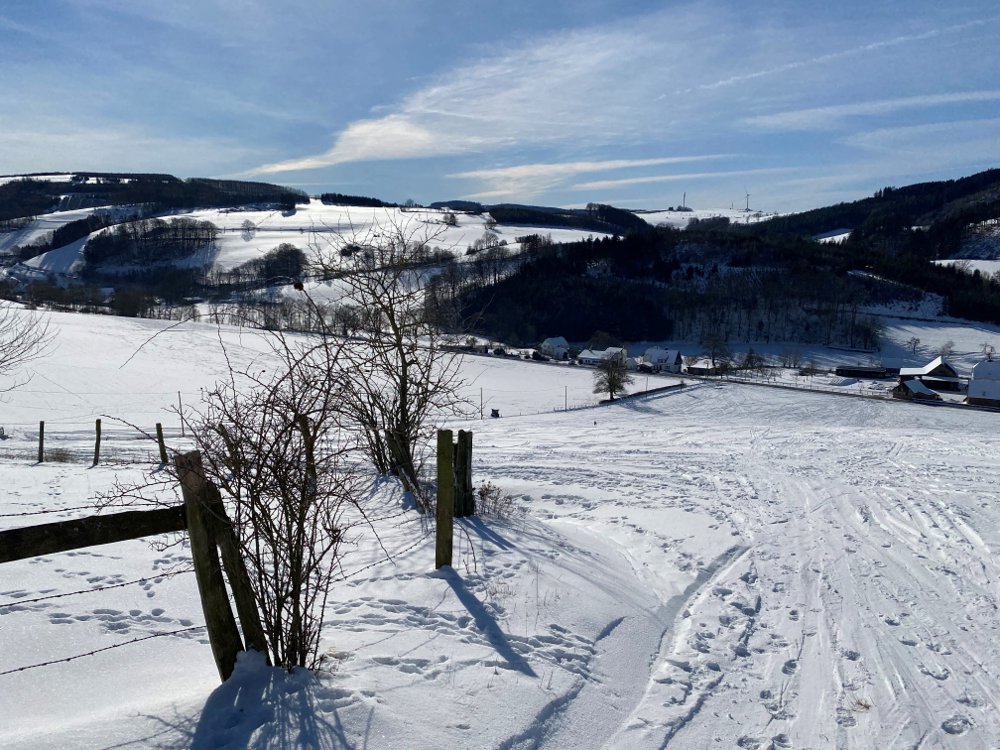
313, 226
680, 219
718, 565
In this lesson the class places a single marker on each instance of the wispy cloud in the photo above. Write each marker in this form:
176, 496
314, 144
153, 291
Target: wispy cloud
569, 86
853, 51
822, 118
530, 180
959, 142
630, 181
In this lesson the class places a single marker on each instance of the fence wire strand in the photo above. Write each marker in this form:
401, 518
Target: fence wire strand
99, 588
101, 650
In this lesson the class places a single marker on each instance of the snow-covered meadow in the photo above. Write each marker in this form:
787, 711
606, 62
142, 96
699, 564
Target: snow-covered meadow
715, 565
247, 234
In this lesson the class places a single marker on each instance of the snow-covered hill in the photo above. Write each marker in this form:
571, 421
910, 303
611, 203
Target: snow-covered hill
718, 565
248, 234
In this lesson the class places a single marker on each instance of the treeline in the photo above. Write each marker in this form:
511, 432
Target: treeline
339, 199
276, 266
891, 210
71, 232
551, 217
31, 197
149, 241
25, 198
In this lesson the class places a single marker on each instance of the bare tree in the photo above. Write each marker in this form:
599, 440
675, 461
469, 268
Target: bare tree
612, 376
717, 350
912, 343
400, 372
24, 337
248, 230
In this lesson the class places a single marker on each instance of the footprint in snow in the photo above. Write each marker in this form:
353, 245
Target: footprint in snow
957, 724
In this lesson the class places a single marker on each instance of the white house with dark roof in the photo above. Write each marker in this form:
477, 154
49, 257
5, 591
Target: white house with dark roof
556, 347
657, 359
594, 357
984, 385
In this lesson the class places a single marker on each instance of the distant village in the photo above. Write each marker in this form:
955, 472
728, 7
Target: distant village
936, 381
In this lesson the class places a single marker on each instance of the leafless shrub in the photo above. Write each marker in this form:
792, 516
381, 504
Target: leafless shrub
24, 337
493, 502
279, 449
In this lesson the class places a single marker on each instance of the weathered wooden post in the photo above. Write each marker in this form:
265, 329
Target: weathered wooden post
41, 442
445, 499
163, 445
97, 444
223, 634
236, 572
465, 501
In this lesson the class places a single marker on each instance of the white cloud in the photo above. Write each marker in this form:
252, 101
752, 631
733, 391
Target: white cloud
571, 86
935, 145
629, 181
529, 180
821, 118
667, 74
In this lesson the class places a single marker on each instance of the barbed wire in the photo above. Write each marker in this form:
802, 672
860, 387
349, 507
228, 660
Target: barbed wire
101, 650
21, 602
400, 553
96, 508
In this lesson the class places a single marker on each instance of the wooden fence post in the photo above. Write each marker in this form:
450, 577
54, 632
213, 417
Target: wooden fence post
97, 444
163, 445
445, 499
465, 500
236, 572
41, 442
223, 634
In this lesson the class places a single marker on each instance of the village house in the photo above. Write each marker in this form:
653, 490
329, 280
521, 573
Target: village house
984, 386
702, 366
556, 347
938, 375
661, 360
595, 357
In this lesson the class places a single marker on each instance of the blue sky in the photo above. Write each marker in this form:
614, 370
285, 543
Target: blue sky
799, 103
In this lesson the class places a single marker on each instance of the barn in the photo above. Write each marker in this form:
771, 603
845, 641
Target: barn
984, 386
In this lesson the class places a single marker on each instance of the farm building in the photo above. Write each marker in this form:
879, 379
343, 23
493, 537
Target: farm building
703, 366
556, 347
984, 386
594, 357
857, 371
661, 360
938, 375
914, 390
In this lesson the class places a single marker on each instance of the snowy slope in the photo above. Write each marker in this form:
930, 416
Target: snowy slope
320, 226
680, 219
718, 565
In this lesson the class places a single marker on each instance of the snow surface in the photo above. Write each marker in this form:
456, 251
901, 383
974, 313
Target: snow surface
320, 226
718, 565
680, 219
